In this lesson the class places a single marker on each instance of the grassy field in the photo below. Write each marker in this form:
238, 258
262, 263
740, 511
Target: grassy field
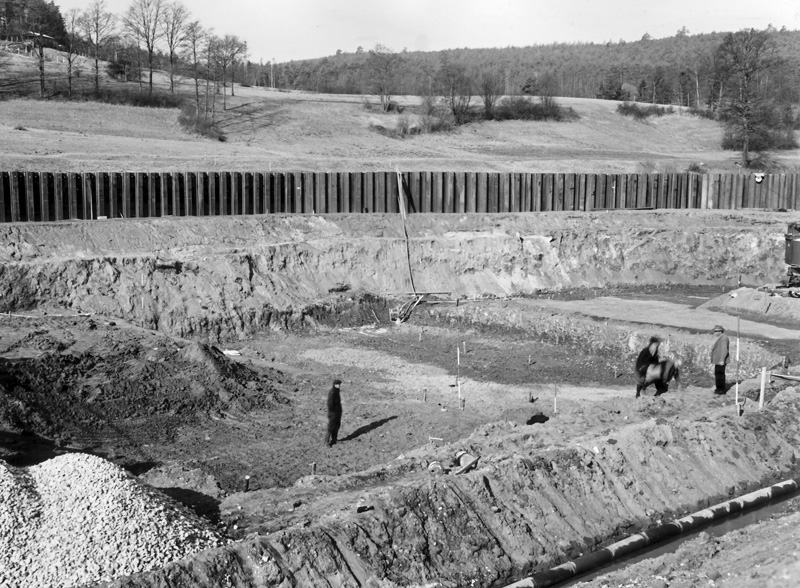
291, 130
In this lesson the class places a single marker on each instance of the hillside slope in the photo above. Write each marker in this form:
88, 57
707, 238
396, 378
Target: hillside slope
281, 131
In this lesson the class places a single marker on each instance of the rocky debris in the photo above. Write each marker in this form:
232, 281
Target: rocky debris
78, 519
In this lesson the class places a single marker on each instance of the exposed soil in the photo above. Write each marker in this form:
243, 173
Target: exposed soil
568, 460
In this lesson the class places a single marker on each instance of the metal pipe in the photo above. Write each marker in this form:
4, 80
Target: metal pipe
655, 535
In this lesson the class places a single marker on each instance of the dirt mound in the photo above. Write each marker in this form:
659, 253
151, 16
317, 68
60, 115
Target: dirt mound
751, 302
123, 526
87, 383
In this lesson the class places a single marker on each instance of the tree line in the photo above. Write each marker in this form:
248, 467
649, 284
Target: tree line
150, 35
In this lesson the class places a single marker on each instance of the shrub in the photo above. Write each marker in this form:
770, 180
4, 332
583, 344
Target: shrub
394, 107
637, 112
189, 120
127, 97
524, 108
437, 124
703, 113
696, 168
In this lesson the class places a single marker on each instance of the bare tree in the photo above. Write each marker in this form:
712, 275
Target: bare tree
98, 25
174, 26
382, 69
456, 89
72, 23
228, 49
195, 36
491, 84
142, 20
212, 43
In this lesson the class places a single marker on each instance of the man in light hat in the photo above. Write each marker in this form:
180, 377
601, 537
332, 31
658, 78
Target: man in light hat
720, 354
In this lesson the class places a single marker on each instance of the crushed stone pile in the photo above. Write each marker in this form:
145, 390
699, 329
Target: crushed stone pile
78, 519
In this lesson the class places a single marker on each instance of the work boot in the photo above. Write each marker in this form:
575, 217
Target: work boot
638, 391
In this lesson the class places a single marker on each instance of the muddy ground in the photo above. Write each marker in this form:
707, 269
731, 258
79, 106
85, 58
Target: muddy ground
569, 460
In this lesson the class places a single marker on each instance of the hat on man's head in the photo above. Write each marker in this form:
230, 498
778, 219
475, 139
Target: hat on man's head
337, 382
718, 329
655, 339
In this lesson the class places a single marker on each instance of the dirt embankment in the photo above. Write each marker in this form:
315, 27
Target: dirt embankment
526, 507
224, 278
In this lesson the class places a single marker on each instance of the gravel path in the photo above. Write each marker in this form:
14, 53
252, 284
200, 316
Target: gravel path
78, 519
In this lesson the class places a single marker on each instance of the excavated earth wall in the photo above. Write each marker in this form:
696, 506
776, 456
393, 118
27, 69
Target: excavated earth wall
224, 278
521, 511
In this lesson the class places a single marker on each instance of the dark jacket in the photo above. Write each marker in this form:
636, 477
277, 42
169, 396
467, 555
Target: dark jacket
334, 401
645, 359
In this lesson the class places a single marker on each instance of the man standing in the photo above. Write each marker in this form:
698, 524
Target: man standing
334, 413
647, 357
719, 357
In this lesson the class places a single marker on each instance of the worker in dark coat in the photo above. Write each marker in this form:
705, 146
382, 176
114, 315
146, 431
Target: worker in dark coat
647, 357
334, 413
720, 354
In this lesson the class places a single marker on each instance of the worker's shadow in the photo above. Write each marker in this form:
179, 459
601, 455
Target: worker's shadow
367, 428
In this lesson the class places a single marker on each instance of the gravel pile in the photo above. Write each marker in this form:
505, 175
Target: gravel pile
79, 519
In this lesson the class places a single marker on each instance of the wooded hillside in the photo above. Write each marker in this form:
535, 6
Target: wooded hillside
676, 70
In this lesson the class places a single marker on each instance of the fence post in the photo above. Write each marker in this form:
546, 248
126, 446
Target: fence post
472, 192
587, 199
13, 188
151, 202
357, 193
30, 197
493, 198
113, 188
380, 192
344, 184
482, 188
427, 192
308, 193
258, 193
320, 200
3, 198
702, 191
72, 195
236, 193
449, 192
44, 196
504, 192
392, 203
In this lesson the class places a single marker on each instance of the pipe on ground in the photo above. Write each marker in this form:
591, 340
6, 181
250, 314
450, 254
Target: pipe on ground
655, 535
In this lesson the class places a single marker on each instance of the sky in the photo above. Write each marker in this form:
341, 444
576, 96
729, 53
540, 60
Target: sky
302, 29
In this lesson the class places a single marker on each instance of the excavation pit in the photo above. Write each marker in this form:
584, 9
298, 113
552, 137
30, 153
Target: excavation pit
107, 350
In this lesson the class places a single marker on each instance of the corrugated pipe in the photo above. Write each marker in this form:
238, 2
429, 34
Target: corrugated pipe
657, 534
